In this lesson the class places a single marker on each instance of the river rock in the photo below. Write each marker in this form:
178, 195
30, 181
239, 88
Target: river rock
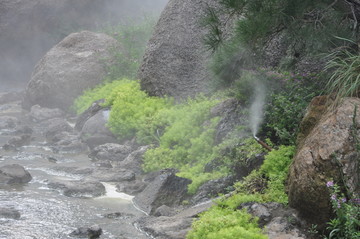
8, 97
39, 114
8, 122
166, 189
175, 59
326, 152
113, 175
56, 126
92, 232
171, 227
277, 220
134, 160
111, 152
9, 213
79, 189
95, 132
87, 114
17, 141
69, 68
13, 174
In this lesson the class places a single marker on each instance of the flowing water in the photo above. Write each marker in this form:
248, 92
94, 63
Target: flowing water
46, 213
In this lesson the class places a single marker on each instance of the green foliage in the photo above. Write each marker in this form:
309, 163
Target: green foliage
102, 91
225, 223
133, 38
186, 138
286, 105
345, 78
346, 224
132, 109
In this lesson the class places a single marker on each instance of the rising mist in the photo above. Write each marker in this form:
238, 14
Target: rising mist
29, 28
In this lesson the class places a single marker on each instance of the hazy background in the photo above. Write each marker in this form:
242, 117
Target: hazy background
29, 28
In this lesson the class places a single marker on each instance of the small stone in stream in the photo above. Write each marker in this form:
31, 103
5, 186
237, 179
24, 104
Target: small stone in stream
9, 213
92, 232
118, 215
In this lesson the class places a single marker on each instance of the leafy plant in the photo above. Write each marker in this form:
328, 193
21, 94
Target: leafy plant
346, 224
286, 105
345, 77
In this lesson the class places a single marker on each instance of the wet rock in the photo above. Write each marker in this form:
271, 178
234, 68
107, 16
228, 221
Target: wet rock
278, 220
79, 189
164, 211
166, 189
9, 213
69, 68
92, 232
132, 187
171, 227
111, 152
95, 132
8, 122
328, 144
134, 160
87, 114
17, 141
175, 59
212, 189
118, 215
113, 175
56, 126
13, 174
38, 114
24, 130
67, 142
8, 97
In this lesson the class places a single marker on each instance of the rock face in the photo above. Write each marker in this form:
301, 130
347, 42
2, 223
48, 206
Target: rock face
68, 69
326, 152
166, 189
175, 59
14, 173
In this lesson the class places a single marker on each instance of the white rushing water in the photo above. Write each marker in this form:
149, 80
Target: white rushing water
47, 214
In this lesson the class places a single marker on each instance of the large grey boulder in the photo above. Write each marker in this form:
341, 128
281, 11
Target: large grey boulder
327, 150
175, 59
70, 67
14, 173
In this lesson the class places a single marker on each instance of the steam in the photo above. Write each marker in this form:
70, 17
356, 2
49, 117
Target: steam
256, 108
48, 22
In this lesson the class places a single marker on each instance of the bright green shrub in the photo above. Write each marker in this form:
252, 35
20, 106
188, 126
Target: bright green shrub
131, 109
225, 223
186, 140
101, 91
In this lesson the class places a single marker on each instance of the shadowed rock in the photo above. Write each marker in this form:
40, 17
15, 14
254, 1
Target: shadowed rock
80, 189
166, 189
9, 213
14, 173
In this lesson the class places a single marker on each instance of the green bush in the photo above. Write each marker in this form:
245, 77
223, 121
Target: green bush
101, 91
225, 223
287, 104
186, 140
132, 109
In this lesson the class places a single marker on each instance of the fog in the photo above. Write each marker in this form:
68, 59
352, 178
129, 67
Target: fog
29, 28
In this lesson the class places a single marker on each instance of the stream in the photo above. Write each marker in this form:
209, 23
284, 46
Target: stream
45, 212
